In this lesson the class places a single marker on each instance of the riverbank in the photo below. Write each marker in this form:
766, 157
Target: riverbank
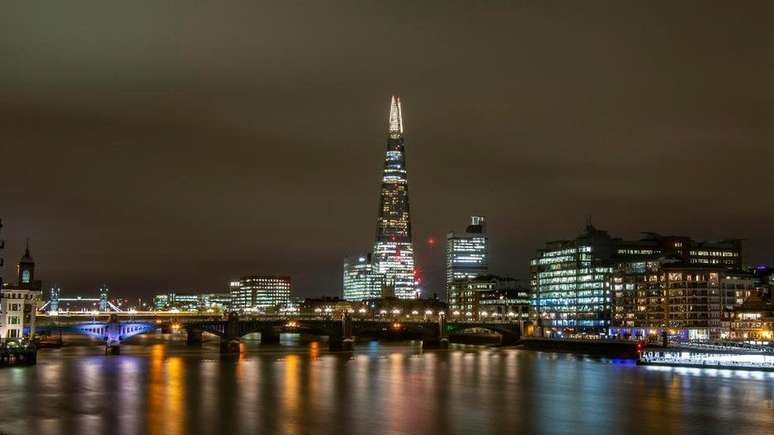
607, 348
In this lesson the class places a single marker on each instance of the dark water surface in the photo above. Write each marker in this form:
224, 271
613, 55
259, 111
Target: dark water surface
161, 386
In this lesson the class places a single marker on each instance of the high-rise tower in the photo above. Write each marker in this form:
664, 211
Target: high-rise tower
393, 250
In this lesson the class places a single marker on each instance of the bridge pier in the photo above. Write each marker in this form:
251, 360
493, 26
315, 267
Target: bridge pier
269, 336
229, 343
229, 346
509, 340
113, 348
440, 337
345, 341
194, 337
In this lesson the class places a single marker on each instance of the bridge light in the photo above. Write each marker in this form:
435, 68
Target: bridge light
429, 312
94, 312
53, 313
132, 311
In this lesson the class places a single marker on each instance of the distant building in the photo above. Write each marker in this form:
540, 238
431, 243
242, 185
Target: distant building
488, 296
19, 303
183, 301
259, 292
160, 302
467, 254
216, 301
571, 279
361, 281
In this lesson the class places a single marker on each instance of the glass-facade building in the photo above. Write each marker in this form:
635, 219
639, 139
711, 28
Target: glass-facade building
393, 253
467, 254
571, 288
597, 282
259, 292
360, 281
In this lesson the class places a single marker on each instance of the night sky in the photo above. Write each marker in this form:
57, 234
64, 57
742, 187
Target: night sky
178, 145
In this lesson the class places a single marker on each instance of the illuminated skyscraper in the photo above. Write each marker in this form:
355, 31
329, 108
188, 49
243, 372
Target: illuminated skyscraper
466, 254
393, 250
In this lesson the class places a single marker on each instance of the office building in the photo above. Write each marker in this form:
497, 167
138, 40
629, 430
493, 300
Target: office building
394, 251
361, 281
488, 296
571, 279
259, 292
215, 301
467, 254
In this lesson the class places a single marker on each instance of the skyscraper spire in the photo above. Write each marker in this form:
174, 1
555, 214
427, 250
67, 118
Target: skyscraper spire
396, 117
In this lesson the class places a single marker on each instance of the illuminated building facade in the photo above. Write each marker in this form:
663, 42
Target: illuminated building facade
488, 296
753, 320
259, 292
19, 303
360, 280
596, 282
686, 300
467, 254
393, 251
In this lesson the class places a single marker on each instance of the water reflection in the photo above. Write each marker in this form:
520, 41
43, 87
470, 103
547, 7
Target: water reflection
163, 387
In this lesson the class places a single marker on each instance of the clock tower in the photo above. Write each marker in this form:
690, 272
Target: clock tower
26, 271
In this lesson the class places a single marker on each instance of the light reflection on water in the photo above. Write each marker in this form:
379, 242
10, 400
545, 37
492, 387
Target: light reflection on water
158, 386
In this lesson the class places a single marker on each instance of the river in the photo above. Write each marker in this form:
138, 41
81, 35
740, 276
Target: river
158, 385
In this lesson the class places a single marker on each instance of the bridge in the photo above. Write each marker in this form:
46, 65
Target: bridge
55, 301
341, 333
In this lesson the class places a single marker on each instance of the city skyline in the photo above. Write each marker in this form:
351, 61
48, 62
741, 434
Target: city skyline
124, 173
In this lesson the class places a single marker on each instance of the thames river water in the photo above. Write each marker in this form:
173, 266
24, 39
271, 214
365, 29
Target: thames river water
160, 386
